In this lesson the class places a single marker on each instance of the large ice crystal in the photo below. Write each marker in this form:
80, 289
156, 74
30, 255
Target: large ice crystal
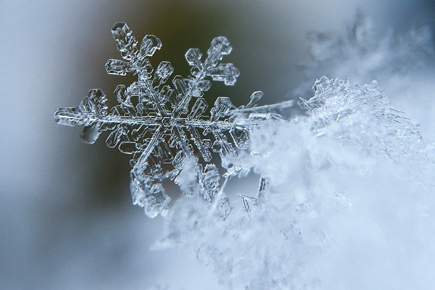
158, 123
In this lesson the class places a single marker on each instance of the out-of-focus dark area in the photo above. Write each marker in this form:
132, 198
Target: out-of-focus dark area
66, 219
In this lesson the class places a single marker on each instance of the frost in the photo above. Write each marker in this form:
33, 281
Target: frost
345, 198
343, 182
159, 123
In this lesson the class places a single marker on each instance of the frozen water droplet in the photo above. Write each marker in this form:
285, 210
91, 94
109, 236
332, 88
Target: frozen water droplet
90, 133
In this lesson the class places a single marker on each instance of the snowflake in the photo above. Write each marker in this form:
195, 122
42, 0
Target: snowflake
157, 122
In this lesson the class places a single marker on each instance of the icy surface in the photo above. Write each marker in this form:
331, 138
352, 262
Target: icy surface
159, 123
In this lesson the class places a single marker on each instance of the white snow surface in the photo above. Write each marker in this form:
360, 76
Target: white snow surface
349, 202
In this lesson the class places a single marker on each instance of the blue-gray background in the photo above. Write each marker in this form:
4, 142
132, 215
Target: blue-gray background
66, 219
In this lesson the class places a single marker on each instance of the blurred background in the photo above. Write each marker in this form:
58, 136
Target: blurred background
66, 219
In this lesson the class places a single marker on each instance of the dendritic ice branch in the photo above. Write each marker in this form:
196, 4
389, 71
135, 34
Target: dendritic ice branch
159, 122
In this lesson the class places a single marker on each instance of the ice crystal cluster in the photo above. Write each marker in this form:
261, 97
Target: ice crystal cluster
161, 122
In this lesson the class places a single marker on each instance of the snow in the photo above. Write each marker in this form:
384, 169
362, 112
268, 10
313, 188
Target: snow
346, 198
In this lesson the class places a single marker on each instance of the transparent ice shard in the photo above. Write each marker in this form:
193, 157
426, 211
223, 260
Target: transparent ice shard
90, 133
158, 120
